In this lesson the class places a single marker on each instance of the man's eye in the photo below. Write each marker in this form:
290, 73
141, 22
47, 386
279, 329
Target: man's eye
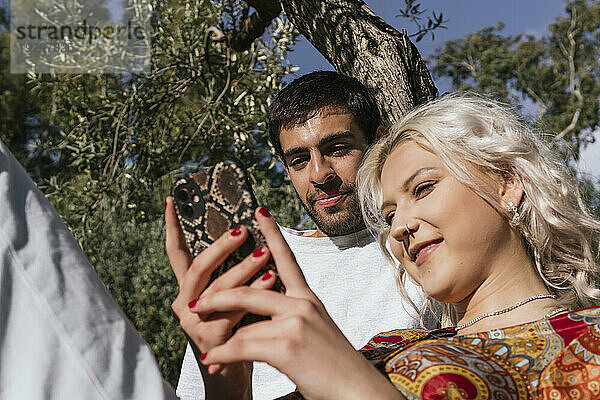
296, 161
339, 149
423, 189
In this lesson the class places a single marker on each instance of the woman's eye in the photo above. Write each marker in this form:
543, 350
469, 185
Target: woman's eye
423, 189
389, 219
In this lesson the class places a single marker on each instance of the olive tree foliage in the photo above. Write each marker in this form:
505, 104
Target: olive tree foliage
115, 143
20, 121
122, 136
555, 79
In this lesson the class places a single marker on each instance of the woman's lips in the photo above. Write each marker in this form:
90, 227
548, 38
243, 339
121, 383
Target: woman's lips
330, 200
426, 251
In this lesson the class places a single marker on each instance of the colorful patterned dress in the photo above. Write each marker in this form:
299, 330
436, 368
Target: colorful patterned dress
554, 359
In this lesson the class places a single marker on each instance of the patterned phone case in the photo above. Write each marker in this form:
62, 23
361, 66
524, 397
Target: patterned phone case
213, 201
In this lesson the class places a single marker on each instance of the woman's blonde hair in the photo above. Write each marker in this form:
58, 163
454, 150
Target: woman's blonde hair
466, 131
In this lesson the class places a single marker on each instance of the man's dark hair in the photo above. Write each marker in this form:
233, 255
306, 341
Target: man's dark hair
302, 99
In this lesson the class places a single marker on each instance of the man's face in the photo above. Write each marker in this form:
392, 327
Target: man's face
322, 157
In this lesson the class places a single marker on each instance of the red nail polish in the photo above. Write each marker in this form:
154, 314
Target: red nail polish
259, 252
202, 357
165, 204
263, 211
266, 276
236, 231
192, 303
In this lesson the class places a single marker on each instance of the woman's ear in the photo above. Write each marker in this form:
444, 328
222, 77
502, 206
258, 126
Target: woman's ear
511, 191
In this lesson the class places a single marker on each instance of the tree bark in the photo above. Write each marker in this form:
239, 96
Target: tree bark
360, 44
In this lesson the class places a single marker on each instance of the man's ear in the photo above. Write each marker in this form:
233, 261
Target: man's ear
511, 191
380, 132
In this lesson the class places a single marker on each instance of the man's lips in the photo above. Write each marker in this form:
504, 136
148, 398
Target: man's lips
421, 251
328, 200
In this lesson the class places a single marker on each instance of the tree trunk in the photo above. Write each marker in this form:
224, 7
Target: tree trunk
360, 44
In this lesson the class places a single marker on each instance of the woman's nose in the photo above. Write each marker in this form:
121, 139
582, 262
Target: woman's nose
402, 230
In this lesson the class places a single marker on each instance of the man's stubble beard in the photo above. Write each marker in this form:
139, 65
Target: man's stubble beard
339, 219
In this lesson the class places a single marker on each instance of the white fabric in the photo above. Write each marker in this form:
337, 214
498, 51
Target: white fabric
353, 280
61, 334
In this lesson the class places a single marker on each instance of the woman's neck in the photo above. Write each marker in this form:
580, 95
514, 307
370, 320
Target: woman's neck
513, 279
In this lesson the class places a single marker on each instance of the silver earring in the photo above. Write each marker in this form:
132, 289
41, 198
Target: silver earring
515, 211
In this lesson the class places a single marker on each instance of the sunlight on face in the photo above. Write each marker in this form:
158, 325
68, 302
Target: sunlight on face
455, 235
322, 157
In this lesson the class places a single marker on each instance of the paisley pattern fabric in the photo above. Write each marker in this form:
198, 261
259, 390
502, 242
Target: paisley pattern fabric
555, 359
549, 359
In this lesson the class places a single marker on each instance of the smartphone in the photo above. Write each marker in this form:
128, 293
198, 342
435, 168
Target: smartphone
212, 201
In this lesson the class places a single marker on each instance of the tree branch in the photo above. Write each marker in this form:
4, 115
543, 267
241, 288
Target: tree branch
360, 44
574, 86
254, 26
357, 43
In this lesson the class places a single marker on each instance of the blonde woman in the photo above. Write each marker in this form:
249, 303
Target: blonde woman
478, 212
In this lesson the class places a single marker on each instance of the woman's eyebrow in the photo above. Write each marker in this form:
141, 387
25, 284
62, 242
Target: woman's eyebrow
408, 182
420, 171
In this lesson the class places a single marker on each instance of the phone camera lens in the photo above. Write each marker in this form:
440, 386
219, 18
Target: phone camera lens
187, 211
183, 195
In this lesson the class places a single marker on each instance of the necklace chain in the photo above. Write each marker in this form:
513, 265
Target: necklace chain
505, 310
556, 312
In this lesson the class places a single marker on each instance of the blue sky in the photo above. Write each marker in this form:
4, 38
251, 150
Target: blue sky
464, 16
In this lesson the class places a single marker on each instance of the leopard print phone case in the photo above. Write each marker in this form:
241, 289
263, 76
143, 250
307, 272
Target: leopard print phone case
212, 201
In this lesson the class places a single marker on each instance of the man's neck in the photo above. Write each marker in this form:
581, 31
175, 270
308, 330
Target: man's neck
318, 233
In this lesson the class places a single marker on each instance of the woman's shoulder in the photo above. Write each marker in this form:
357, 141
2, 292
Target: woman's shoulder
530, 358
575, 371
398, 338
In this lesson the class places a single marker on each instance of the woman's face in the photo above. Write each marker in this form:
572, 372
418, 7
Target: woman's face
455, 236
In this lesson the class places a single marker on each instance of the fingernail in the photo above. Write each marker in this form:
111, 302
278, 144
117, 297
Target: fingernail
202, 357
165, 204
236, 231
266, 276
259, 252
192, 303
263, 211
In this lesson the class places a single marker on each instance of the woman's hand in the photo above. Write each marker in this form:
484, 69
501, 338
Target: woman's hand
208, 330
301, 339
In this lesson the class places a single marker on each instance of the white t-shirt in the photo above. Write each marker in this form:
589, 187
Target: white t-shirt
355, 283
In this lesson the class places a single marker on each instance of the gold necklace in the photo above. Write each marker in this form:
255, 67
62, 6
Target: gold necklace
505, 310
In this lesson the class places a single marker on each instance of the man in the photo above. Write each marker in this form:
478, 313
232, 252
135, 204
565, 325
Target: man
321, 125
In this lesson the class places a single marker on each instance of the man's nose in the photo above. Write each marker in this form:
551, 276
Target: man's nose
321, 171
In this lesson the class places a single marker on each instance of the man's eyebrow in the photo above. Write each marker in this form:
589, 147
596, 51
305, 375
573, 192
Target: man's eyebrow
335, 136
293, 151
408, 182
324, 141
